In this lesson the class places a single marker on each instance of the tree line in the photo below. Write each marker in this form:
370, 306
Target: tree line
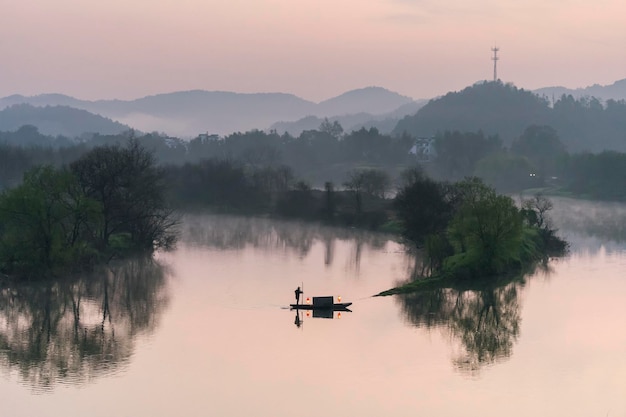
107, 203
536, 158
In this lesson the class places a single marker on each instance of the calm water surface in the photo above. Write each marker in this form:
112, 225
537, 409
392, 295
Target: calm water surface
204, 330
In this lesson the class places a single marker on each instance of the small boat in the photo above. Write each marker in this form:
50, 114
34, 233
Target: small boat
334, 306
322, 303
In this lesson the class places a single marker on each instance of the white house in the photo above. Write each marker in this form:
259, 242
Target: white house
424, 149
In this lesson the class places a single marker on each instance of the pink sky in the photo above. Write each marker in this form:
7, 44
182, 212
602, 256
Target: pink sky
312, 48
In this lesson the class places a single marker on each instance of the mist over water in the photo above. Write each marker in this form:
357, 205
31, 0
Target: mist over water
589, 225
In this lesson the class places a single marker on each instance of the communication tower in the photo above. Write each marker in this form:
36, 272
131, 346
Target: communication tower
495, 59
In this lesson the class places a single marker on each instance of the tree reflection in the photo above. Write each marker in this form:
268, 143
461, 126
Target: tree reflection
71, 331
225, 232
485, 319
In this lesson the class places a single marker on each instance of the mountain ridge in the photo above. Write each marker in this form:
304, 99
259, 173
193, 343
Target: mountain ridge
58, 120
615, 91
189, 113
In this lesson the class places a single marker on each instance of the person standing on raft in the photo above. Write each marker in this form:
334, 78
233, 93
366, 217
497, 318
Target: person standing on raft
298, 291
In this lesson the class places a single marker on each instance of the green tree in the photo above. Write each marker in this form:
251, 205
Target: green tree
44, 223
486, 231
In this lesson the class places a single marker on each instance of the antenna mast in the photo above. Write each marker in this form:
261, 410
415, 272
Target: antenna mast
495, 59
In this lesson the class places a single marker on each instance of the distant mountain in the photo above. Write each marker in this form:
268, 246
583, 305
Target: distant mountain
373, 100
615, 91
187, 113
57, 120
41, 100
504, 110
190, 113
385, 123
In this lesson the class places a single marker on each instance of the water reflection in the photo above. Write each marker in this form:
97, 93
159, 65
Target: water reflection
235, 233
319, 314
71, 331
485, 319
298, 320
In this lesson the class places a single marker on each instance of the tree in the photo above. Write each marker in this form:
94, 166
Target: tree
486, 230
334, 129
330, 203
372, 182
535, 212
423, 206
44, 223
297, 202
270, 182
367, 145
130, 189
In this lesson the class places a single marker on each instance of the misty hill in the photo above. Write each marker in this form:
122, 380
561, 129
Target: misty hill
41, 100
615, 91
373, 100
189, 113
57, 121
385, 123
494, 108
502, 109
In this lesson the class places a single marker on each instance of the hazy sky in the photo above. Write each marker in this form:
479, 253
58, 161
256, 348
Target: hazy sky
312, 48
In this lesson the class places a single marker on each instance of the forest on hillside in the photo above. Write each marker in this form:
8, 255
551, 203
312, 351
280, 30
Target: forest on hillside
584, 124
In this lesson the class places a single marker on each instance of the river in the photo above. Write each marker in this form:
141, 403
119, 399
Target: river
205, 330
